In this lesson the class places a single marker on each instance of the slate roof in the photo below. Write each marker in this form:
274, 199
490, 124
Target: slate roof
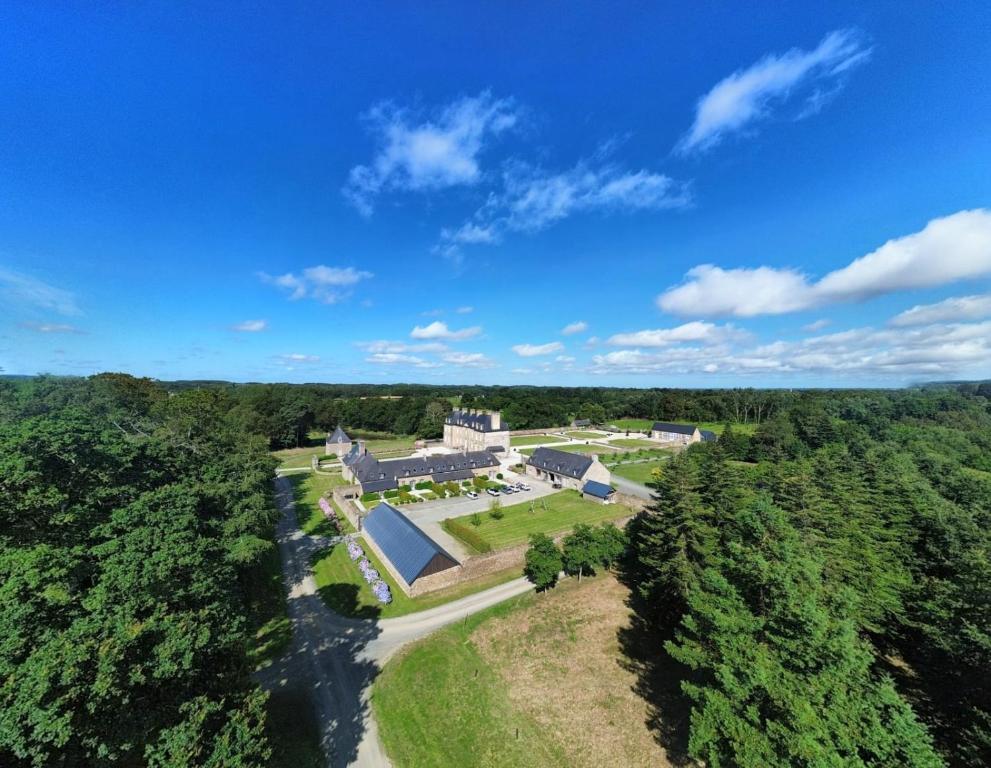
597, 489
479, 422
457, 474
408, 548
563, 463
582, 422
708, 436
339, 436
367, 469
678, 429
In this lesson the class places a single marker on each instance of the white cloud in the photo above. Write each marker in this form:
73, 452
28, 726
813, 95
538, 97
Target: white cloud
534, 350
324, 284
465, 310
816, 325
19, 288
251, 326
399, 347
393, 358
577, 327
695, 331
469, 360
439, 330
470, 234
947, 311
565, 359
433, 152
749, 95
298, 357
52, 328
522, 371
948, 249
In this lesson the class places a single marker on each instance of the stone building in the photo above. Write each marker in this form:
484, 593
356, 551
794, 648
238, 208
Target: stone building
682, 434
362, 468
338, 443
472, 430
568, 470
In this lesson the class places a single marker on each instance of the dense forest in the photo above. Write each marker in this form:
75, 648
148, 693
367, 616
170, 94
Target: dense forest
826, 585
823, 586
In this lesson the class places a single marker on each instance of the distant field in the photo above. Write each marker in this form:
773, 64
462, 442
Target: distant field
644, 425
342, 588
632, 442
537, 681
563, 510
634, 425
717, 427
575, 448
534, 440
638, 473
586, 435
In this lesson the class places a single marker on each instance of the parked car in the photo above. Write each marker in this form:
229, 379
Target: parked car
492, 491
508, 489
471, 495
523, 486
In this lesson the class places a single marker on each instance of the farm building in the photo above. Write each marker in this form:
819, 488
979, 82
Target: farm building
684, 434
596, 491
338, 443
410, 552
569, 470
363, 468
473, 430
581, 423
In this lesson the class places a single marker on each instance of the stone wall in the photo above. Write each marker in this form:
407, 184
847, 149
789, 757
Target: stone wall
523, 432
344, 498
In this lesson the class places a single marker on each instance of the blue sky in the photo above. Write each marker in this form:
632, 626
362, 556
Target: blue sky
720, 195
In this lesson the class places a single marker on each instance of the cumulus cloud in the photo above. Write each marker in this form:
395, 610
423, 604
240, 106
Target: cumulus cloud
572, 328
321, 283
250, 326
419, 151
947, 250
535, 350
468, 360
903, 353
816, 325
18, 288
298, 357
947, 311
464, 310
696, 331
394, 358
439, 330
750, 95
52, 328
399, 347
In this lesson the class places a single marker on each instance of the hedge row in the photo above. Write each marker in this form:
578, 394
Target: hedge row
467, 535
371, 496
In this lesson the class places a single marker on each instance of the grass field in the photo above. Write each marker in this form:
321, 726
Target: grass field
634, 425
383, 443
630, 442
574, 448
643, 425
563, 511
524, 440
535, 681
638, 473
580, 435
307, 490
342, 588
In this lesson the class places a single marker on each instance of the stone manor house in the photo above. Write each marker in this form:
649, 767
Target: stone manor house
472, 430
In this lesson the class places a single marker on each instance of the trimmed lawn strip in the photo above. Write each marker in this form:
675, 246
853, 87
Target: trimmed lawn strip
634, 425
307, 490
632, 442
342, 588
563, 511
575, 448
438, 704
638, 473
581, 435
524, 440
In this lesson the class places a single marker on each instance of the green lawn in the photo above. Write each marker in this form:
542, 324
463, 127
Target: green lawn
580, 435
634, 425
575, 448
638, 473
563, 510
523, 440
739, 427
632, 442
342, 588
444, 680
307, 490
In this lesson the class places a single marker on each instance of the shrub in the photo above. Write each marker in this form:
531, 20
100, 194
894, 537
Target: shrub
391, 494
476, 519
426, 485
498, 475
467, 535
405, 488
371, 496
495, 510
480, 482
452, 488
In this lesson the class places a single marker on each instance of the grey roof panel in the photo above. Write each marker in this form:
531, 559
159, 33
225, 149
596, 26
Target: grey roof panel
708, 436
678, 429
571, 464
457, 474
338, 436
479, 422
597, 489
408, 548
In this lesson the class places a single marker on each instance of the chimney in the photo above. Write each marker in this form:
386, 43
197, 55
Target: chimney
361, 448
595, 458
496, 420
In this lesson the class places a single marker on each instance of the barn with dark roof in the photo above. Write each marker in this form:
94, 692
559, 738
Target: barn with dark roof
412, 554
565, 469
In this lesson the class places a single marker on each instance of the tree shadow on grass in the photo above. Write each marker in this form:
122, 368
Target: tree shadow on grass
343, 599
659, 677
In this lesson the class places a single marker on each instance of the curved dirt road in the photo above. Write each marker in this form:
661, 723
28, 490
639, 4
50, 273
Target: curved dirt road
336, 659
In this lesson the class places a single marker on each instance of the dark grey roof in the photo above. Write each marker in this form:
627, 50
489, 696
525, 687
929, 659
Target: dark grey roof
678, 429
582, 422
338, 436
374, 486
571, 464
708, 436
367, 468
597, 489
480, 422
408, 548
457, 474
496, 449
